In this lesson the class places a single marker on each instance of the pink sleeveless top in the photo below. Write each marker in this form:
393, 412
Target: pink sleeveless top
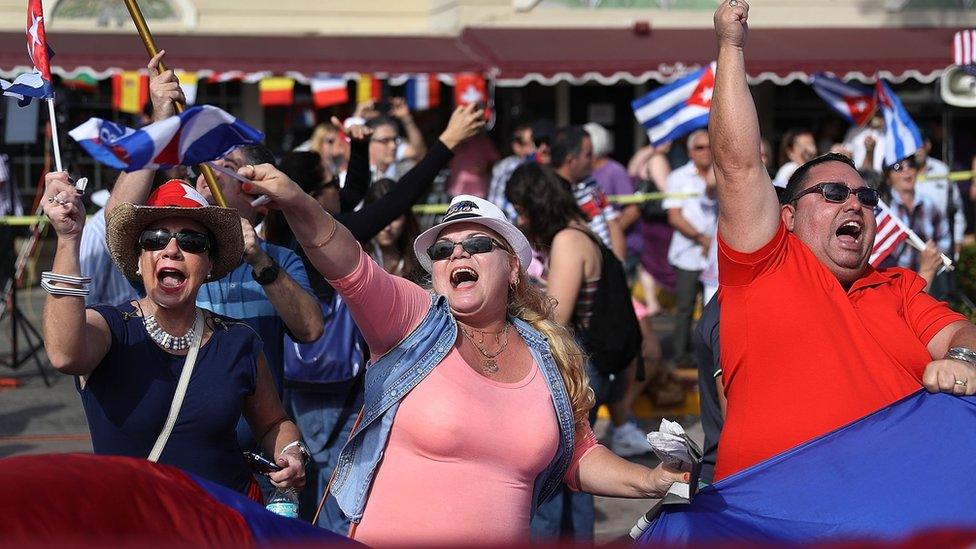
464, 450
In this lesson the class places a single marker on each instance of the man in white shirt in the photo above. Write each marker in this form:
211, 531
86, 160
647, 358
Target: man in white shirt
693, 219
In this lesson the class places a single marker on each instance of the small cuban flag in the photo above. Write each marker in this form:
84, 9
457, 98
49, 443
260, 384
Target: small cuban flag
902, 136
423, 92
195, 136
853, 102
36, 84
676, 109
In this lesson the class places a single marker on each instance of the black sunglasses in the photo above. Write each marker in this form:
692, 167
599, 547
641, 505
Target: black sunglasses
192, 242
442, 249
839, 192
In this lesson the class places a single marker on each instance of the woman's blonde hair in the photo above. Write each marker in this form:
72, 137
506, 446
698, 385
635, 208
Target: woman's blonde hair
319, 134
533, 306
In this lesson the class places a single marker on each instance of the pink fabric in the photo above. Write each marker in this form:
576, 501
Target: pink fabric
464, 451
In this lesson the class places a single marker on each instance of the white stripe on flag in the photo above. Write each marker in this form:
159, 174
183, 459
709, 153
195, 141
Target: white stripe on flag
665, 102
661, 130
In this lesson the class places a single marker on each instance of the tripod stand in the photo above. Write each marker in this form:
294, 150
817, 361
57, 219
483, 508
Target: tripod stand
20, 325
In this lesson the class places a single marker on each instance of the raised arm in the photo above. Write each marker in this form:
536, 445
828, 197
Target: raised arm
415, 139
164, 92
358, 177
75, 339
749, 212
366, 223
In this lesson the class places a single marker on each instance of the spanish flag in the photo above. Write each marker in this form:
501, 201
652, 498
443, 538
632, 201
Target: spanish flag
368, 88
130, 91
276, 91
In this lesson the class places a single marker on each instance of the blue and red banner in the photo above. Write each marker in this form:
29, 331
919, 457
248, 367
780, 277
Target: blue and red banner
36, 84
901, 472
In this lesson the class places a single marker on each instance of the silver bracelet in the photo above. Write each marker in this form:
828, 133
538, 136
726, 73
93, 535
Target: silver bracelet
67, 279
60, 290
962, 354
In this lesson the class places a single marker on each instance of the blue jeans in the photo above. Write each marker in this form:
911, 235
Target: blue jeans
316, 415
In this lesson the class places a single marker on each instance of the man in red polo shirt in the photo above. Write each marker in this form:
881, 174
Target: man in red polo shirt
812, 336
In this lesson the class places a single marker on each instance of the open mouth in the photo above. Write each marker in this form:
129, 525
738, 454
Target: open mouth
463, 277
170, 279
849, 232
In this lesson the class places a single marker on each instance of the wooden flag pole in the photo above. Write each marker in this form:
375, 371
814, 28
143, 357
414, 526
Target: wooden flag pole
152, 50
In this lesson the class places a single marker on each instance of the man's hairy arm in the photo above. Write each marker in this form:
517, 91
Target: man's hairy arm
749, 212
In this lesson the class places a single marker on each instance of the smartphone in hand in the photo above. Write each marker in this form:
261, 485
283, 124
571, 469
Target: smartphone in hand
260, 464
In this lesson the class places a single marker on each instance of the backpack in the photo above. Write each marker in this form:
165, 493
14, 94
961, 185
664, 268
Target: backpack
613, 338
331, 362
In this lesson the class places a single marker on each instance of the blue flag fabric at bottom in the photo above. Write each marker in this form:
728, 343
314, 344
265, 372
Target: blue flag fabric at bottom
905, 469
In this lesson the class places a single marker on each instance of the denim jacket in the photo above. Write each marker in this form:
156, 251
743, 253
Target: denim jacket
400, 370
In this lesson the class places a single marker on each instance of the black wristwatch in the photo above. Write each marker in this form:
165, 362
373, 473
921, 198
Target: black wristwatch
267, 275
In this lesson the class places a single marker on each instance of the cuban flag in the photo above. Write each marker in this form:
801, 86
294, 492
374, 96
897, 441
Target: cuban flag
902, 136
197, 135
36, 84
891, 232
902, 473
676, 109
53, 499
854, 103
423, 92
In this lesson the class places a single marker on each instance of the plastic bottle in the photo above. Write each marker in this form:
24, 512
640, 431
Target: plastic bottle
284, 503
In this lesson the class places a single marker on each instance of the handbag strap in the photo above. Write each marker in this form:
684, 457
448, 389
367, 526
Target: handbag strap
184, 382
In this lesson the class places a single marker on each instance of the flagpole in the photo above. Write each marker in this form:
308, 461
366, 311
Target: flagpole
150, 43
54, 133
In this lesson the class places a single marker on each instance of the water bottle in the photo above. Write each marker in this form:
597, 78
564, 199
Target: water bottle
284, 502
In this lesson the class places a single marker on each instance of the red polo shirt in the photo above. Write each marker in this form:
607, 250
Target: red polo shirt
800, 356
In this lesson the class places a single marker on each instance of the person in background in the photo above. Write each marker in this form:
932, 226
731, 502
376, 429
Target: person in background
572, 161
613, 179
332, 145
651, 168
921, 214
392, 247
10, 203
109, 286
523, 147
693, 218
471, 167
797, 147
867, 144
933, 182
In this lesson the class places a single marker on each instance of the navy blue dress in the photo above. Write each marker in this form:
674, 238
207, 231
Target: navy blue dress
127, 397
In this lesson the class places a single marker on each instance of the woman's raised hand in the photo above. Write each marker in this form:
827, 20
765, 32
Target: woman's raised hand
466, 121
273, 183
63, 205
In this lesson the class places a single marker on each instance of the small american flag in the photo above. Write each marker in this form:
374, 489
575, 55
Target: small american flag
964, 48
891, 233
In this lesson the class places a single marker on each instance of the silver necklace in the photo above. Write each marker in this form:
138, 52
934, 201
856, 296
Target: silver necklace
490, 366
166, 340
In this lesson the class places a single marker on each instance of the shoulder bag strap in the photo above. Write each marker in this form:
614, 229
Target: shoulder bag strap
174, 408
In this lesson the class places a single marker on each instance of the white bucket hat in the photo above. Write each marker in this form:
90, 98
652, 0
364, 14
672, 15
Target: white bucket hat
471, 209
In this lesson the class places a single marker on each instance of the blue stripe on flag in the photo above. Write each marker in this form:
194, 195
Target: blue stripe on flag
902, 136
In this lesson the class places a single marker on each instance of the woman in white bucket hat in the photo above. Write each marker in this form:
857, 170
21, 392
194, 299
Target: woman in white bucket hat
475, 399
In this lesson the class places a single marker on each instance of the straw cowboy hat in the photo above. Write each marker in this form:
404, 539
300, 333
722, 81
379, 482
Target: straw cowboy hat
175, 199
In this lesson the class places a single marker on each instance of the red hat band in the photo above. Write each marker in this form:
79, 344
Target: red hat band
176, 193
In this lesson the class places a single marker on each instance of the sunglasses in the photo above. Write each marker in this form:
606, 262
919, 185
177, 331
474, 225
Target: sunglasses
442, 249
152, 240
839, 192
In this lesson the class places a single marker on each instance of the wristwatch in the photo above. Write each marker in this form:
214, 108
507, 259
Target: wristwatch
267, 275
302, 451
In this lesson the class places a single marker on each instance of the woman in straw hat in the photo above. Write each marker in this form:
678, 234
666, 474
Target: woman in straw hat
476, 402
131, 361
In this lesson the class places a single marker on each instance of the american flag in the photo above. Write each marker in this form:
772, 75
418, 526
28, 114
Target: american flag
891, 232
964, 48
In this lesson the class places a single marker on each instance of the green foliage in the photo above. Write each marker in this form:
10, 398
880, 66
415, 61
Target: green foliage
966, 279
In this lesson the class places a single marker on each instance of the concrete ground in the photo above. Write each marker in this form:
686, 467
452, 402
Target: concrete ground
39, 419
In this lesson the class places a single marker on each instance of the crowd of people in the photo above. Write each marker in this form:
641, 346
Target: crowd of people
441, 382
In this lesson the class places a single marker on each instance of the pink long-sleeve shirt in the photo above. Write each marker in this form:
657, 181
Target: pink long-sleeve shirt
464, 450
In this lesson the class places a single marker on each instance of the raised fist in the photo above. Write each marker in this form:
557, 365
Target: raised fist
732, 23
